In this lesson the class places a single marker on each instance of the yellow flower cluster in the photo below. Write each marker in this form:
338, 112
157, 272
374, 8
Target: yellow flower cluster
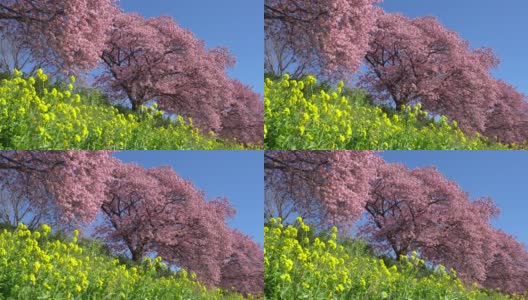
301, 265
299, 114
36, 115
38, 265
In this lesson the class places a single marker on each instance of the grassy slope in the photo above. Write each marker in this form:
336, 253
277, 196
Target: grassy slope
301, 265
301, 114
38, 114
40, 265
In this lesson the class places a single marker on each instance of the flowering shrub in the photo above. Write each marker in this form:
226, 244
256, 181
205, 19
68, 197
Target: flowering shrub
34, 116
299, 115
301, 265
35, 265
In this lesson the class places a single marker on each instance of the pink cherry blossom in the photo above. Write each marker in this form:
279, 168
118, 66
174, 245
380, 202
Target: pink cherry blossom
155, 211
243, 120
508, 119
508, 267
69, 35
327, 36
243, 269
419, 60
156, 60
327, 187
421, 210
68, 186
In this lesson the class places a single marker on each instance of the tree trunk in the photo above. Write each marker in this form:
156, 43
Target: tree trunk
399, 105
136, 256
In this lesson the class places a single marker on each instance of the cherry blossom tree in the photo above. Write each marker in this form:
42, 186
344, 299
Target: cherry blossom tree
64, 187
204, 249
507, 121
421, 210
155, 59
419, 60
466, 245
508, 269
328, 37
243, 120
131, 202
323, 186
243, 269
66, 34
157, 212
403, 206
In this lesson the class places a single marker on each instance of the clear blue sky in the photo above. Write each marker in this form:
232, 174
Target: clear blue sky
497, 24
501, 175
237, 175
235, 24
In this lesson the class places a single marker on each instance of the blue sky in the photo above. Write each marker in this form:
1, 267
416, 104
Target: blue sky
500, 25
237, 175
501, 175
235, 24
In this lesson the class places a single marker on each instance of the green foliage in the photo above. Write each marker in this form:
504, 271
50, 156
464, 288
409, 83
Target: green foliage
299, 264
38, 265
35, 114
300, 114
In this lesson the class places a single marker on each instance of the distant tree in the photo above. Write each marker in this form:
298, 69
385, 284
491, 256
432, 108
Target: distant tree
243, 268
19, 204
327, 187
419, 60
507, 120
508, 269
243, 120
280, 58
16, 209
66, 34
15, 53
325, 37
201, 246
466, 246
